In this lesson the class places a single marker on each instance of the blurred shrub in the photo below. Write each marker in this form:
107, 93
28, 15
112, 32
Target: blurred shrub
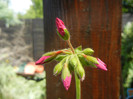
127, 55
127, 6
17, 87
7, 14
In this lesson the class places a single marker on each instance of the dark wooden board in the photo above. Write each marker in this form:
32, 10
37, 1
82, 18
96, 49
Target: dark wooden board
92, 23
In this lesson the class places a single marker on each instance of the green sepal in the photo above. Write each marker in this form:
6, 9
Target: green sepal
58, 68
66, 35
91, 59
80, 71
52, 55
84, 62
67, 51
65, 72
78, 49
60, 57
73, 61
49, 53
88, 51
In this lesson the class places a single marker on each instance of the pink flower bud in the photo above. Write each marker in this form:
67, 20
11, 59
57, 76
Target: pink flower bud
47, 57
60, 26
42, 60
61, 29
101, 65
67, 82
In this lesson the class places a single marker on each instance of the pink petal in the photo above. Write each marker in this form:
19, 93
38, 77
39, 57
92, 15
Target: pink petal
100, 61
101, 65
60, 26
42, 60
67, 82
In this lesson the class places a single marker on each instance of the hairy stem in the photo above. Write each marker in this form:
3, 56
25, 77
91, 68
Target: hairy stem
78, 89
70, 45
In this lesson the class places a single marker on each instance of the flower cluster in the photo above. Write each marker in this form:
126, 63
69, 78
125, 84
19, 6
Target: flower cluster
71, 60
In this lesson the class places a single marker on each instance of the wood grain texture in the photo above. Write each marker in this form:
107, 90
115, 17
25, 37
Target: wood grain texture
92, 23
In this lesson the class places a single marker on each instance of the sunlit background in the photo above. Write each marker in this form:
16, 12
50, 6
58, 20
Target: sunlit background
20, 6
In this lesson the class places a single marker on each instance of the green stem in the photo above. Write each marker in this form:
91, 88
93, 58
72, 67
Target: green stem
77, 80
78, 89
70, 45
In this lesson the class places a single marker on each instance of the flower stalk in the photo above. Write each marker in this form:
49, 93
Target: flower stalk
71, 60
70, 45
77, 80
78, 87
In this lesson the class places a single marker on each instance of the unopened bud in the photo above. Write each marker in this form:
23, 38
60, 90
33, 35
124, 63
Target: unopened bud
101, 65
73, 61
52, 55
91, 59
88, 51
58, 67
42, 60
66, 76
85, 62
80, 71
61, 29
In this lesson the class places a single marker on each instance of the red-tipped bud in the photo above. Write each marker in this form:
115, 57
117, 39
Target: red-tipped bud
61, 29
47, 57
91, 59
66, 76
101, 65
42, 60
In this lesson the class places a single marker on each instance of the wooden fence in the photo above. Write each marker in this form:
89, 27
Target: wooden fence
92, 23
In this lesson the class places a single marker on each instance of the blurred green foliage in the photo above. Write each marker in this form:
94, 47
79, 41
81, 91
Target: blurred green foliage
17, 87
127, 55
127, 6
35, 10
7, 14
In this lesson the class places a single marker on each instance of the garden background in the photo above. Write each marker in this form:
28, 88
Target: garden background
22, 41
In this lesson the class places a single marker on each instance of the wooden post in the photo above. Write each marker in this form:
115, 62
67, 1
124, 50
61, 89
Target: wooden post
92, 23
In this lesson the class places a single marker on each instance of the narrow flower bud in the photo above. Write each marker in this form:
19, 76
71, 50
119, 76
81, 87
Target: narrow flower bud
61, 29
47, 57
91, 59
58, 67
80, 71
88, 51
85, 62
42, 60
101, 65
73, 61
66, 76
